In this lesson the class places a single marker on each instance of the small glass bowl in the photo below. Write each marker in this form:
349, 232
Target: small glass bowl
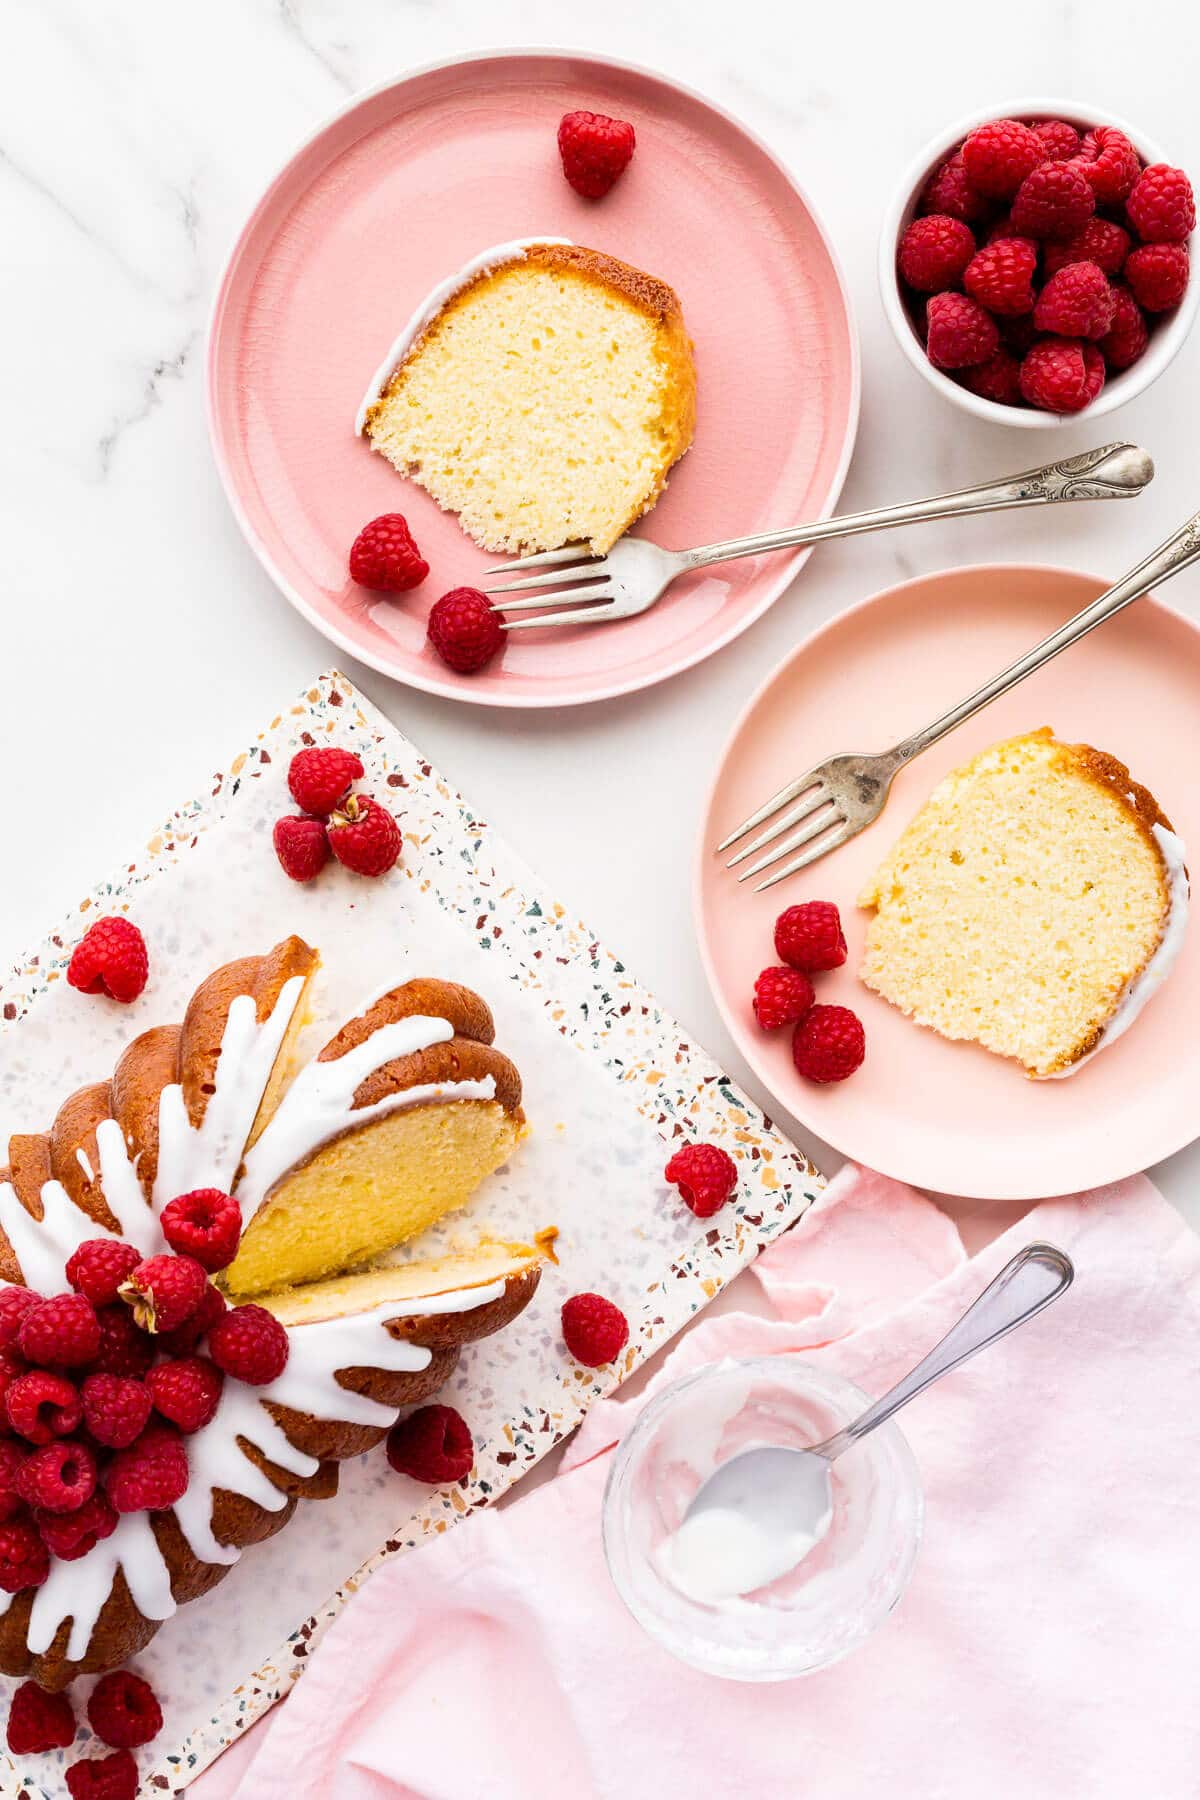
843, 1589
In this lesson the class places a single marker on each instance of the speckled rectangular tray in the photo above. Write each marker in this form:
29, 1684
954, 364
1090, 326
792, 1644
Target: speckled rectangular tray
610, 1082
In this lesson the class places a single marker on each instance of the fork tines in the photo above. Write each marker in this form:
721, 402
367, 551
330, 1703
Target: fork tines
815, 804
574, 565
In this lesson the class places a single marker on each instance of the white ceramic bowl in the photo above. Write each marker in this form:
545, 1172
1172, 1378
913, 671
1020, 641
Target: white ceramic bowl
1166, 336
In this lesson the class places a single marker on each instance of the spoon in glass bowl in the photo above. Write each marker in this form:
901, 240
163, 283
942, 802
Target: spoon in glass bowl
760, 1513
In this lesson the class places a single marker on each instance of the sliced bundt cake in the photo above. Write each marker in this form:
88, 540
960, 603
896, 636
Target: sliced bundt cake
542, 394
1034, 905
401, 1116
392, 1126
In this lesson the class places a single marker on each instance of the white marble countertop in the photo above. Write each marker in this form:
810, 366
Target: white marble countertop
141, 641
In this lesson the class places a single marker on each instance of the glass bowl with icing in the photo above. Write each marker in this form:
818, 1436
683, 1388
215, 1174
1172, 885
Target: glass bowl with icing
842, 1589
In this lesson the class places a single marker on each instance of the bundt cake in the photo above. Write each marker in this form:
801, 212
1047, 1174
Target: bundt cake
409, 1108
1034, 905
542, 394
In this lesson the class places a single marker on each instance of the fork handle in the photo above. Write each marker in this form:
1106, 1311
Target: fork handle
1033, 1278
1111, 472
1179, 551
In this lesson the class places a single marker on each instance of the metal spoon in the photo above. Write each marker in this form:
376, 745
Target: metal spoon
783, 1496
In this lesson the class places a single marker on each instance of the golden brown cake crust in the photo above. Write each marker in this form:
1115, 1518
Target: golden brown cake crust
460, 1007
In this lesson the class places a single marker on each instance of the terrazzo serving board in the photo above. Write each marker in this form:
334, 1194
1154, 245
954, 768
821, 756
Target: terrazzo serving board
610, 1082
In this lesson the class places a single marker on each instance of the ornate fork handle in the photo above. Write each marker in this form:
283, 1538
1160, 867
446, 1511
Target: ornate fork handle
1110, 472
1180, 549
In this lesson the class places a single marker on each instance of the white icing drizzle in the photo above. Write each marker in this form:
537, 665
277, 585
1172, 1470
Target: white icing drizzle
43, 1246
319, 1105
316, 1107
1147, 982
78, 1590
208, 1155
483, 264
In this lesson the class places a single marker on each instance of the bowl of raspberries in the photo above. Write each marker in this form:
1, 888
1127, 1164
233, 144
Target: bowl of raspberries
1035, 262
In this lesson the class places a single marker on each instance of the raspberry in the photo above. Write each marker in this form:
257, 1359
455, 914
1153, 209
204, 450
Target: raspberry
998, 380
24, 1559
1059, 140
116, 1409
99, 1266
59, 1478
1100, 241
110, 958
61, 1333
948, 191
186, 1392
12, 1460
183, 1340
15, 1302
1109, 163
594, 1329
781, 996
934, 251
434, 1444
705, 1176
1054, 202
124, 1350
1018, 335
250, 1344
1128, 334
38, 1721
810, 936
301, 846
960, 332
11, 1366
828, 1044
1062, 376
1162, 206
1077, 302
163, 1291
384, 556
997, 157
464, 630
317, 779
151, 1475
112, 1777
1158, 275
1000, 228
205, 1225
595, 150
42, 1407
1000, 276
123, 1712
72, 1535
364, 836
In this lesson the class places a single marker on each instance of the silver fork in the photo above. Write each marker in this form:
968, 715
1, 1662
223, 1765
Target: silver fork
636, 573
839, 798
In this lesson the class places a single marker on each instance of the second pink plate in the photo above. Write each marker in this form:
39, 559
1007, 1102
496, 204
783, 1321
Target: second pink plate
406, 185
939, 1115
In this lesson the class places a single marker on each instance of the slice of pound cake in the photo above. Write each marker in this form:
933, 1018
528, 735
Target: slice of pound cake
1034, 905
542, 394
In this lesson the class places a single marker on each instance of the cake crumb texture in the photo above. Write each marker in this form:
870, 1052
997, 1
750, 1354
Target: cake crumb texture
546, 402
1021, 902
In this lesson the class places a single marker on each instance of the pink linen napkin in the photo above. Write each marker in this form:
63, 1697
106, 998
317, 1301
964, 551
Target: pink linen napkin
1045, 1649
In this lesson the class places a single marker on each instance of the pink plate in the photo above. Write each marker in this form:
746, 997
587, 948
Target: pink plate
402, 188
939, 1115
